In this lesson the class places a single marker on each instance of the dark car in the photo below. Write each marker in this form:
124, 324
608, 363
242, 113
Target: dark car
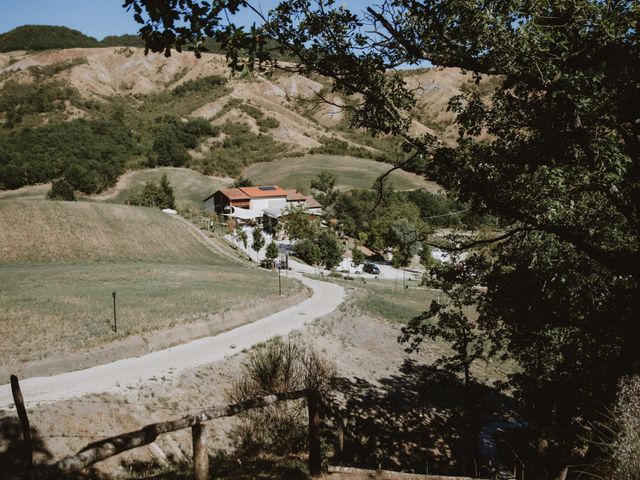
371, 268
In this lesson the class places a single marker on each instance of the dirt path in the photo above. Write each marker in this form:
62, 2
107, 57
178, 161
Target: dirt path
115, 377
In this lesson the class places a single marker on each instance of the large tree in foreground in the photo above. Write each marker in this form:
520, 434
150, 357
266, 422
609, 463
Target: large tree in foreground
553, 154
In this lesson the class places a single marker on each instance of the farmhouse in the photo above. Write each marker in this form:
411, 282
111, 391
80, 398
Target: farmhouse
252, 204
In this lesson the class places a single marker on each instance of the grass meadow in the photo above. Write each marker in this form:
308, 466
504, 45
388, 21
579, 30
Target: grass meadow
394, 302
52, 308
351, 173
60, 261
190, 187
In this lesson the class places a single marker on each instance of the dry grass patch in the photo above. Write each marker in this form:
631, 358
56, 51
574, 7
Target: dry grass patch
44, 231
52, 309
60, 262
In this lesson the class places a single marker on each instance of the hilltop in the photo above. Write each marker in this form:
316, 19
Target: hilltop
47, 37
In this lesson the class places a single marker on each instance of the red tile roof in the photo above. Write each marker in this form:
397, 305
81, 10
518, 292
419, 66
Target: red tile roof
295, 196
263, 191
234, 194
312, 202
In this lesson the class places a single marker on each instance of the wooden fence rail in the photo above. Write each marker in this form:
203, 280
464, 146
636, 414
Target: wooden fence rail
109, 447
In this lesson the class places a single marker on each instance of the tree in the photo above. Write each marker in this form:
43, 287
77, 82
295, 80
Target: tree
309, 251
168, 200
61, 190
330, 249
155, 195
242, 236
406, 240
325, 184
80, 178
298, 224
357, 257
452, 320
272, 252
168, 151
552, 151
242, 182
258, 240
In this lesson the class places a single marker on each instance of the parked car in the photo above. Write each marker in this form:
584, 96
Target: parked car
371, 268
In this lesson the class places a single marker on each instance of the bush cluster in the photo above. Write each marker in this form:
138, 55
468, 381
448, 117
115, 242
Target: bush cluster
172, 138
200, 84
264, 123
334, 146
156, 195
18, 99
240, 148
90, 155
61, 190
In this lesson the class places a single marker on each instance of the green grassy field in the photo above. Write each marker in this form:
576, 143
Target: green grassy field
60, 261
351, 172
395, 303
190, 187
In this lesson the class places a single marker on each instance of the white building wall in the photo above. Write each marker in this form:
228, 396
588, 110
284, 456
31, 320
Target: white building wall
262, 203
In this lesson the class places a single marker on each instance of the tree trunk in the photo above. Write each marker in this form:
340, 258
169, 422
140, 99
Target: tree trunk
562, 475
315, 468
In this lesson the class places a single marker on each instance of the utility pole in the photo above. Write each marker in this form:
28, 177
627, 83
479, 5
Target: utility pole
279, 281
115, 320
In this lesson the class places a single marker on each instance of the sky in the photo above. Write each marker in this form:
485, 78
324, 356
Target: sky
96, 18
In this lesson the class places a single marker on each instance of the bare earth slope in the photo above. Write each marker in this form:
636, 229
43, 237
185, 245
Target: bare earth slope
102, 73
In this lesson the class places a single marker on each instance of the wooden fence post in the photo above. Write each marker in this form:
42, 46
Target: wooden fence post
200, 453
315, 468
341, 428
24, 422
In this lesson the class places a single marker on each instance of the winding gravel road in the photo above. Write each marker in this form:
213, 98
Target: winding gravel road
116, 376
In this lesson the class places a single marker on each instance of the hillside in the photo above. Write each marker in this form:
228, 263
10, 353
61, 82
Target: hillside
189, 187
358, 173
106, 110
61, 261
45, 231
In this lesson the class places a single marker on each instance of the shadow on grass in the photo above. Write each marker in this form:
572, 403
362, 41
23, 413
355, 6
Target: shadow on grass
419, 420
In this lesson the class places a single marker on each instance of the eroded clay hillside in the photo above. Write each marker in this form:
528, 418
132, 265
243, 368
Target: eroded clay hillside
101, 73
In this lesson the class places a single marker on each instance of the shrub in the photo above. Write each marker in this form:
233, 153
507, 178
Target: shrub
276, 367
271, 253
200, 84
61, 190
242, 182
240, 148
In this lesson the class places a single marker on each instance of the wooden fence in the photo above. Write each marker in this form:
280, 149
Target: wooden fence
109, 447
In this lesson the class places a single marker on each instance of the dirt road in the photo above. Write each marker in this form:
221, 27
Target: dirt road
117, 376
